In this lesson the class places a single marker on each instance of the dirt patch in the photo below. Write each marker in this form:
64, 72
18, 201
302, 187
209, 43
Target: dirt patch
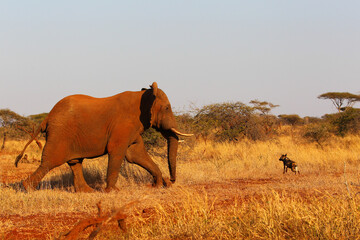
11, 174
38, 226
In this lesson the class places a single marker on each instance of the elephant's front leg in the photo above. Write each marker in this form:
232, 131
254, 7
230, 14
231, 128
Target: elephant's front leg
114, 165
137, 154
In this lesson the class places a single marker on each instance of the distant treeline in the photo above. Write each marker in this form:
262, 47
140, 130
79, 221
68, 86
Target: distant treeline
230, 121
234, 121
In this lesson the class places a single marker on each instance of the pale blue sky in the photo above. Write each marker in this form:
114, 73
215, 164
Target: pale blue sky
200, 52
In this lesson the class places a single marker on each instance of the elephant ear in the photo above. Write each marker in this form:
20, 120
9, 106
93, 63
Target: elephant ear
153, 109
154, 87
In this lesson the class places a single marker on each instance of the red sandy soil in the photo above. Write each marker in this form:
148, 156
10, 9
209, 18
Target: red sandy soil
45, 224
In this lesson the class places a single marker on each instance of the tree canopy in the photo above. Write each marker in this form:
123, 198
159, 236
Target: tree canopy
8, 118
262, 106
38, 118
291, 119
15, 125
341, 100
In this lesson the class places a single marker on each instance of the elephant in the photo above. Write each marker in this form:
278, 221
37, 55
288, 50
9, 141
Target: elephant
81, 126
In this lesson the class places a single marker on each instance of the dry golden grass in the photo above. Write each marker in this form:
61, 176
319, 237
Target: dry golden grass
223, 191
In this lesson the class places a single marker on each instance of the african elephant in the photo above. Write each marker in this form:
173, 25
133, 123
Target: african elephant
81, 126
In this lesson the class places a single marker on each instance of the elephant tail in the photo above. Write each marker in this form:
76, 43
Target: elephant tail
41, 128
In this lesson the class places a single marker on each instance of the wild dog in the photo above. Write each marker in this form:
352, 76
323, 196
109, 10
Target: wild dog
289, 164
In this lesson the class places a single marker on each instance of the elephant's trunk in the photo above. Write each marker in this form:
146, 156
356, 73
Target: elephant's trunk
173, 142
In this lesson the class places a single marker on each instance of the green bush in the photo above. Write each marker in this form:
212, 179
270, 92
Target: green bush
11, 122
345, 122
233, 121
292, 119
317, 132
152, 138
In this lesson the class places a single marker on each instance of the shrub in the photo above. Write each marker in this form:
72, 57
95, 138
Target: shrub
152, 138
38, 118
317, 132
226, 121
345, 122
292, 119
9, 121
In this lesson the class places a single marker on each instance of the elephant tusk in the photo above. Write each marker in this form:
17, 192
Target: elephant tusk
180, 133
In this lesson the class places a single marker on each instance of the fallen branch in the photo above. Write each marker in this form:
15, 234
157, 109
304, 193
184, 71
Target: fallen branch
99, 222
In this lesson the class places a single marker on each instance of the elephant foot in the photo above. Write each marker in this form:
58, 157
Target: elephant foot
167, 182
26, 186
164, 183
109, 189
158, 184
84, 189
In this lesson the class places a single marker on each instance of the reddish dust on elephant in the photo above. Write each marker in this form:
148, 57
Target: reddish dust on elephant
81, 126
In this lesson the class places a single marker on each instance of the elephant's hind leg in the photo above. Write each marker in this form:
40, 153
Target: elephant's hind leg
34, 179
79, 181
48, 161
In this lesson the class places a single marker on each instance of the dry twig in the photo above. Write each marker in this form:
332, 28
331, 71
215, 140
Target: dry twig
99, 222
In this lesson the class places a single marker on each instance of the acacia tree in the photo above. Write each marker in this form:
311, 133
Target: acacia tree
38, 118
7, 120
226, 120
263, 107
266, 120
341, 100
10, 123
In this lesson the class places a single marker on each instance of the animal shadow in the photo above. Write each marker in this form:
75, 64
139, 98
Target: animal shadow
17, 186
135, 174
65, 181
95, 178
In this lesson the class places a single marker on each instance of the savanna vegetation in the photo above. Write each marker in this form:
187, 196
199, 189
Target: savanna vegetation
230, 183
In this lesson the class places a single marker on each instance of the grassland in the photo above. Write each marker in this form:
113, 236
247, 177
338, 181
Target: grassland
223, 191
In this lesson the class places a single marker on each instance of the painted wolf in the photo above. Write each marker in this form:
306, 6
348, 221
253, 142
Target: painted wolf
289, 164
